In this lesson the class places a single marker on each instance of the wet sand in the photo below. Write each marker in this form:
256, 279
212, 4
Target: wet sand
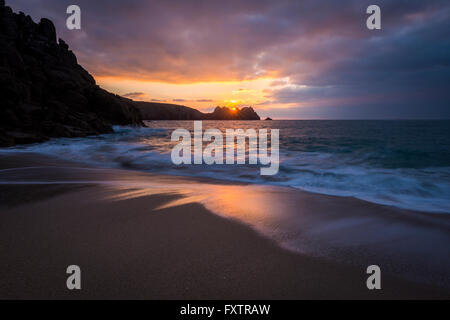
163, 241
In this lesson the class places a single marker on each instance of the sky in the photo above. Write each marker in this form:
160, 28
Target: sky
287, 59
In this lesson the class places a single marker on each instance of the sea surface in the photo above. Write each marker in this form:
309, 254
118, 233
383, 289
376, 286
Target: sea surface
399, 163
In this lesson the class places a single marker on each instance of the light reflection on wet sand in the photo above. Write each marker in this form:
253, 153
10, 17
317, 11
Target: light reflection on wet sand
407, 243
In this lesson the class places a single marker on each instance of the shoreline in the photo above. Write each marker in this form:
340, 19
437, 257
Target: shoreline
150, 239
377, 186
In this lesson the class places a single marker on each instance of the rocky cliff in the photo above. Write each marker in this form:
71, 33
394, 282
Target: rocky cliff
165, 111
44, 92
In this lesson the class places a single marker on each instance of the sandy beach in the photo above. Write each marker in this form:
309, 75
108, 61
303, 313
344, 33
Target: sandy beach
217, 150
137, 235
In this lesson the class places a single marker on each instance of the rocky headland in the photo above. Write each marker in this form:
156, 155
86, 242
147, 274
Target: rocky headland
45, 93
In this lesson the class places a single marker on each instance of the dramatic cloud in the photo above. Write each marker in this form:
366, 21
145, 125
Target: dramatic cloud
135, 95
319, 55
204, 100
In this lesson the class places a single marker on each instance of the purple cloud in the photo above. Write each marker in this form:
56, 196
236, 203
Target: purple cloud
323, 45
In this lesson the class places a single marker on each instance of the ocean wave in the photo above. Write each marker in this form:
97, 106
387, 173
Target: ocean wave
321, 169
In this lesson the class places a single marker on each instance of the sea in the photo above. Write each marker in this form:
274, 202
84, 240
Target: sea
401, 163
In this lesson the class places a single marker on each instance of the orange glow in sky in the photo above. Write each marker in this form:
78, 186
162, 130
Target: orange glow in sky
204, 96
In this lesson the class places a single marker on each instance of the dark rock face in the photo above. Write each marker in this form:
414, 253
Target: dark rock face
224, 113
164, 111
44, 92
167, 111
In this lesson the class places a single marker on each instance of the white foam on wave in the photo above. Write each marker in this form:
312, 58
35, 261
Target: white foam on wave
148, 149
